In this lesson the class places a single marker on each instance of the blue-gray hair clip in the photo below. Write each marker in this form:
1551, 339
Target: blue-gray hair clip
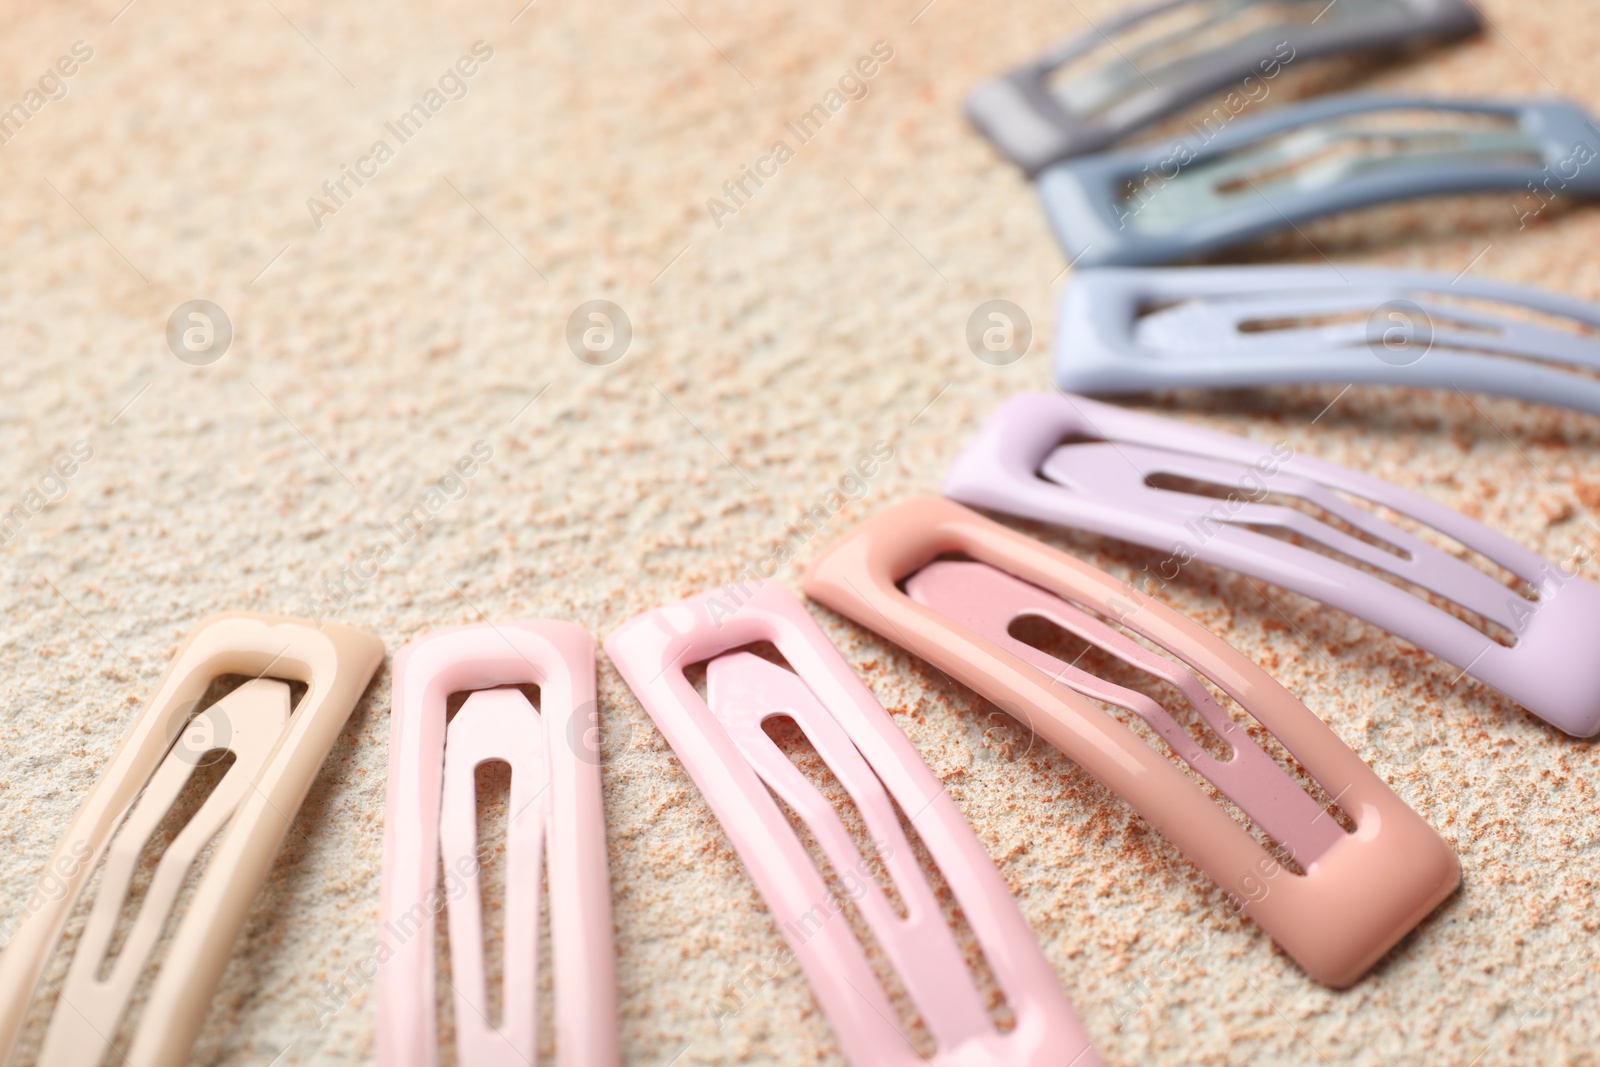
1124, 330
1172, 53
1170, 201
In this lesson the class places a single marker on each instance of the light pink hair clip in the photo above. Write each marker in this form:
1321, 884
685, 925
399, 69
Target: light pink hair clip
739, 770
555, 816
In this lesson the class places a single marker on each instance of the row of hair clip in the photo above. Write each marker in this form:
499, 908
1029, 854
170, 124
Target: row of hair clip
1235, 176
1317, 850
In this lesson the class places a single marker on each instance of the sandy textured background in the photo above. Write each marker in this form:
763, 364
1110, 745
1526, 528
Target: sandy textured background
767, 354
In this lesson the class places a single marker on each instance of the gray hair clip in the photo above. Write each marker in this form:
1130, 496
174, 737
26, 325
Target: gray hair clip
1036, 119
1170, 201
1129, 330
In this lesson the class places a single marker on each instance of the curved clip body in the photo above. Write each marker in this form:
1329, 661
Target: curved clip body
276, 756
735, 764
1173, 53
1193, 196
555, 813
1233, 327
1124, 475
1360, 892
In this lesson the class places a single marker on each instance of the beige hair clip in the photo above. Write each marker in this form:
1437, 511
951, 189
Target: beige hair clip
277, 751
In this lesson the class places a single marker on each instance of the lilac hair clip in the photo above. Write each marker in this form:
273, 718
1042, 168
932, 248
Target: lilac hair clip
1299, 523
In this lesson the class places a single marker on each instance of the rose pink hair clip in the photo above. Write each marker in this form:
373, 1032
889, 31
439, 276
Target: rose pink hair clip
743, 775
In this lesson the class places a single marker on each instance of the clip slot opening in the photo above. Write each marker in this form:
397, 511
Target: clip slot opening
1177, 483
491, 938
1488, 310
1321, 154
492, 796
493, 799
1179, 324
207, 774
1051, 639
1249, 327
1332, 522
1157, 696
781, 725
160, 848
788, 736
1425, 217
493, 806
1348, 318
1094, 80
452, 703
204, 743
1495, 631
1157, 49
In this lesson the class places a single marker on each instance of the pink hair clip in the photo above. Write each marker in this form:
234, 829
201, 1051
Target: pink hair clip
1357, 893
555, 814
739, 769
1295, 521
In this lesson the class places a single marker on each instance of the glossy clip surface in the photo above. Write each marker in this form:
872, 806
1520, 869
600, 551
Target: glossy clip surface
1232, 327
739, 770
1359, 892
1134, 476
1196, 195
276, 752
1159, 58
554, 816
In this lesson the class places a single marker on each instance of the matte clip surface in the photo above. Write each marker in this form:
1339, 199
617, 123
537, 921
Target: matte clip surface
1360, 893
1171, 54
1232, 327
1133, 476
276, 756
1170, 201
555, 814
735, 764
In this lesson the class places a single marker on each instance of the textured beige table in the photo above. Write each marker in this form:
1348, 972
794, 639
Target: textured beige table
825, 314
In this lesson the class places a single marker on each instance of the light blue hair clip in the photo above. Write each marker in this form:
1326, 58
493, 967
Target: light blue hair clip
1170, 201
1127, 330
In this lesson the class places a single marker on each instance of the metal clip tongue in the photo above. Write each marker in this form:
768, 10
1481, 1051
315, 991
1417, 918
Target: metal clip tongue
1360, 892
1170, 54
739, 770
1232, 327
987, 601
1189, 197
1134, 476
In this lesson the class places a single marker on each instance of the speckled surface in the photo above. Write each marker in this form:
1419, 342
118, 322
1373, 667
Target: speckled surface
826, 314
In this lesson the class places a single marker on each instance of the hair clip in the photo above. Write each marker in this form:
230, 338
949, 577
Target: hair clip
1126, 330
1157, 59
555, 814
1169, 201
1294, 521
1359, 892
739, 770
276, 752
